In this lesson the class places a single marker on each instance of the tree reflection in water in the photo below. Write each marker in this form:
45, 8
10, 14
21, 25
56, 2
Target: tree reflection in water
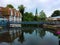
30, 31
21, 37
9, 38
42, 33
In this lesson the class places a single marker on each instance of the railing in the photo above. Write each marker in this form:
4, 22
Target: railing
3, 23
35, 22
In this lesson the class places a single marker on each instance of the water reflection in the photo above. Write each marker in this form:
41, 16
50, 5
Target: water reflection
5, 37
36, 36
21, 37
42, 33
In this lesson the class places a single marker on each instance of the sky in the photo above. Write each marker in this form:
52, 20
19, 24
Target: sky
48, 6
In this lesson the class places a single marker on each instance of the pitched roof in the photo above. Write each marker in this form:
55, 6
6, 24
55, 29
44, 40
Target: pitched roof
56, 17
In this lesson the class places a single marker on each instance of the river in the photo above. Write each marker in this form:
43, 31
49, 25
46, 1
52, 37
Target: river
28, 36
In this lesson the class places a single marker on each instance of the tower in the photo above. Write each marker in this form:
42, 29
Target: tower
36, 13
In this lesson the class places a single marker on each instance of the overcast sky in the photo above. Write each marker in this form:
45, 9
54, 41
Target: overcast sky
47, 5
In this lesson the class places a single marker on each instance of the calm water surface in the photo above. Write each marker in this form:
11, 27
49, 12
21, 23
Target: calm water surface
31, 36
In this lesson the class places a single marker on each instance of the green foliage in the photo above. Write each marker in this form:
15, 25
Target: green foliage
36, 18
10, 6
42, 15
28, 16
21, 9
56, 13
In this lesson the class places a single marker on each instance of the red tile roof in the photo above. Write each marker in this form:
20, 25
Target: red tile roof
7, 11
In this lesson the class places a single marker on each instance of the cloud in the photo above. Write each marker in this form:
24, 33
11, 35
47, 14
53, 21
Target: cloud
47, 5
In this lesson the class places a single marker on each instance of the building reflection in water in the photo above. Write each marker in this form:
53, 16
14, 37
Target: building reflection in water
10, 36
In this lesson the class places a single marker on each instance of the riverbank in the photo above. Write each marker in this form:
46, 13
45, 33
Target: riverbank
51, 26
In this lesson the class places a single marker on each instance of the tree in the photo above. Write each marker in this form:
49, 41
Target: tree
21, 9
42, 15
10, 6
56, 13
28, 16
